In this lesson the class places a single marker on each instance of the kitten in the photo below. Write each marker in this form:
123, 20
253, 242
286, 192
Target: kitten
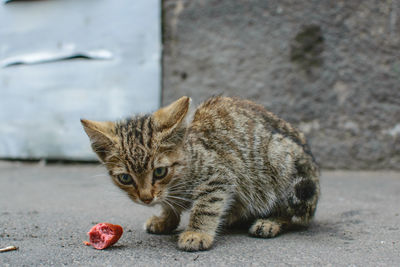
232, 162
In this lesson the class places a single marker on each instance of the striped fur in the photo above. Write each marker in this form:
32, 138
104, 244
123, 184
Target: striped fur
232, 162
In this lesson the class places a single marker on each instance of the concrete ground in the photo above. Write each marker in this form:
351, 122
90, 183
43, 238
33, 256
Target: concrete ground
47, 210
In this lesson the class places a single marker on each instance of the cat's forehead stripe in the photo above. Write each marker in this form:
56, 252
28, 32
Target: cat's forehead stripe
136, 134
139, 129
149, 132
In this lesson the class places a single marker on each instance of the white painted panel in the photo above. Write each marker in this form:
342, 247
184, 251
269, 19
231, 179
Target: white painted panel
41, 104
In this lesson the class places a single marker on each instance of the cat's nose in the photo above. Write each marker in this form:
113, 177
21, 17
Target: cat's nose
146, 200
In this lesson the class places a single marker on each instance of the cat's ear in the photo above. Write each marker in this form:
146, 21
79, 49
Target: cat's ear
171, 116
101, 135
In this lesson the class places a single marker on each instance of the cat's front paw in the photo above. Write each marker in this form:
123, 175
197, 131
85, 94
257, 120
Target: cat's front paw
194, 241
160, 225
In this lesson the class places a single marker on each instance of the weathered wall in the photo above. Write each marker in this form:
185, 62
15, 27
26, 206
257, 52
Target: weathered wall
330, 67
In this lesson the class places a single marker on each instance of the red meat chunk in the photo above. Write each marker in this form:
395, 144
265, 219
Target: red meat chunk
103, 235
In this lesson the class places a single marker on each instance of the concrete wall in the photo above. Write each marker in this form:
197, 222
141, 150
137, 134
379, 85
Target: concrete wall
332, 68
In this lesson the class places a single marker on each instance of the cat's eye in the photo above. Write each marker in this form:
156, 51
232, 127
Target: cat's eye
160, 172
125, 179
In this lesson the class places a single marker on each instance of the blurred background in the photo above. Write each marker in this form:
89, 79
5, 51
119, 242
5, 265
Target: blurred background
332, 68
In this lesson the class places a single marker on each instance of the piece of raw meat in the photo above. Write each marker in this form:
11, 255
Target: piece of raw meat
103, 235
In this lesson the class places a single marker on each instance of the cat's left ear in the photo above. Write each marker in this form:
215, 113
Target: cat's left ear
101, 135
171, 116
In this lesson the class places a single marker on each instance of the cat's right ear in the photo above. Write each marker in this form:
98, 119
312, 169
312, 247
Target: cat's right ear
172, 115
101, 135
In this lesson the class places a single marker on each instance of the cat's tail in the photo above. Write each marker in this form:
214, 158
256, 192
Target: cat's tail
303, 199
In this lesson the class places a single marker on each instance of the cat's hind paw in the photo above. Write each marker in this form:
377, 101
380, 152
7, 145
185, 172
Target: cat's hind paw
265, 228
194, 241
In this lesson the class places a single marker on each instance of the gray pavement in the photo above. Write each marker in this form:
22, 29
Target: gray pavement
47, 210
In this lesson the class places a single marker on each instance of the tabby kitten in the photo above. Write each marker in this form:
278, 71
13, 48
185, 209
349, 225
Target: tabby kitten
232, 162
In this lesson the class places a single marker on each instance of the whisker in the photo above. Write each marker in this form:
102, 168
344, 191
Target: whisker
181, 198
184, 192
177, 204
172, 207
